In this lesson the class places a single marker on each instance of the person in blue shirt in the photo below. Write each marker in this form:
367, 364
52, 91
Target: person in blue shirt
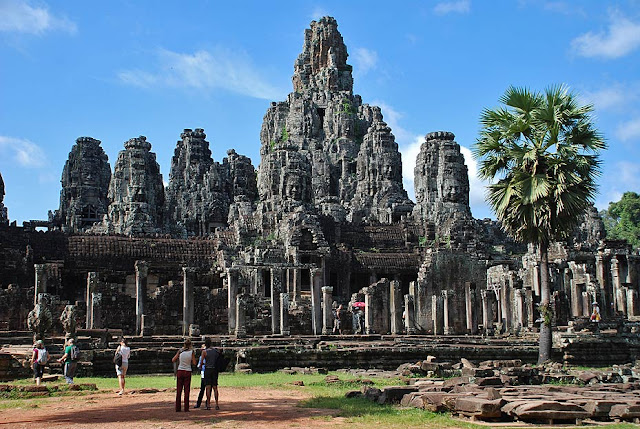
201, 363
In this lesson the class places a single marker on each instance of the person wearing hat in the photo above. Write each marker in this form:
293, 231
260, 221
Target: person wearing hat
39, 359
70, 365
595, 315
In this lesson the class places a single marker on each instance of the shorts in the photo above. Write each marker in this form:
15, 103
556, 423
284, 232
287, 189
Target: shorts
210, 377
122, 370
38, 370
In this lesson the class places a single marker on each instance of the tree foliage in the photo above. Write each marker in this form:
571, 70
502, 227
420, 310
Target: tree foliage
622, 219
542, 149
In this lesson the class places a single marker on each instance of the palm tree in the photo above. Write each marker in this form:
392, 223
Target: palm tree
541, 151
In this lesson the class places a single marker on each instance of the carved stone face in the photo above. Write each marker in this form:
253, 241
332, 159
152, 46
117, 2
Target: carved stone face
293, 188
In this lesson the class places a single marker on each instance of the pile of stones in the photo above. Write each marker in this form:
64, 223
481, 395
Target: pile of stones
511, 391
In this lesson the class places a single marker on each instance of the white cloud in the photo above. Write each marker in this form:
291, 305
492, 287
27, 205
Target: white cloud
621, 38
410, 153
206, 71
610, 97
364, 60
476, 186
626, 178
392, 117
20, 17
22, 151
318, 13
446, 7
629, 130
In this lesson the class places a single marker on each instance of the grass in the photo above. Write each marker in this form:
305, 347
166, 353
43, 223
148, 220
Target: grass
362, 412
353, 412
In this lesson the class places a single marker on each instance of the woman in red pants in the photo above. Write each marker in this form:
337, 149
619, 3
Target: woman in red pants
186, 358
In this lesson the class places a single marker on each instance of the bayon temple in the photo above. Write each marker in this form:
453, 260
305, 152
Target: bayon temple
235, 250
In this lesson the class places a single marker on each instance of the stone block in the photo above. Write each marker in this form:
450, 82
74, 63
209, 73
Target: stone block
478, 372
598, 408
466, 363
371, 393
549, 410
394, 394
413, 399
587, 376
455, 381
438, 402
479, 407
625, 411
353, 394
489, 381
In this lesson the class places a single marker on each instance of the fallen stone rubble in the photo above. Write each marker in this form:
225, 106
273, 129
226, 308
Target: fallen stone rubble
510, 391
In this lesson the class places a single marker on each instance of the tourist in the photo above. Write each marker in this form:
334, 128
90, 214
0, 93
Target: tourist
121, 369
186, 358
39, 358
595, 316
210, 372
203, 385
70, 360
337, 321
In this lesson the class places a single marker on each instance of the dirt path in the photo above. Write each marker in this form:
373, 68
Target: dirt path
247, 407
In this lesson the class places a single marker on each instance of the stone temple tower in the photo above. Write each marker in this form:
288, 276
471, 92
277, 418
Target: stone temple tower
4, 217
136, 191
85, 183
355, 167
442, 188
201, 191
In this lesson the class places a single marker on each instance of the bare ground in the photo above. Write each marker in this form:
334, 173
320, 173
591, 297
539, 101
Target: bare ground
246, 407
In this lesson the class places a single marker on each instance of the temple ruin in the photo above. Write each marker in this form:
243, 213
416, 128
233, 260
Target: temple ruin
228, 249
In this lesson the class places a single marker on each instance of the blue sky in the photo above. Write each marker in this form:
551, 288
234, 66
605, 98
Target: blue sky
119, 69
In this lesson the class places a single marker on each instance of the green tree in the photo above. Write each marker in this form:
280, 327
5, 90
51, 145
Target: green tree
622, 219
541, 151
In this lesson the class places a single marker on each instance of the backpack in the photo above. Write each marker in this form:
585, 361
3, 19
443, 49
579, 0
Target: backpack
75, 353
43, 356
221, 363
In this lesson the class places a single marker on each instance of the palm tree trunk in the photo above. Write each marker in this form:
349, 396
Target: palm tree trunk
546, 312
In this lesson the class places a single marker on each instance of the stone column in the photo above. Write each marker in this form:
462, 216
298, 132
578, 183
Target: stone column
327, 316
142, 271
586, 304
604, 294
468, 307
632, 302
422, 304
368, 310
92, 283
487, 316
316, 310
519, 301
447, 329
232, 293
41, 281
396, 298
241, 316
259, 282
536, 279
618, 303
409, 315
187, 299
284, 314
505, 307
530, 307
576, 300
276, 289
297, 284
96, 314
437, 315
